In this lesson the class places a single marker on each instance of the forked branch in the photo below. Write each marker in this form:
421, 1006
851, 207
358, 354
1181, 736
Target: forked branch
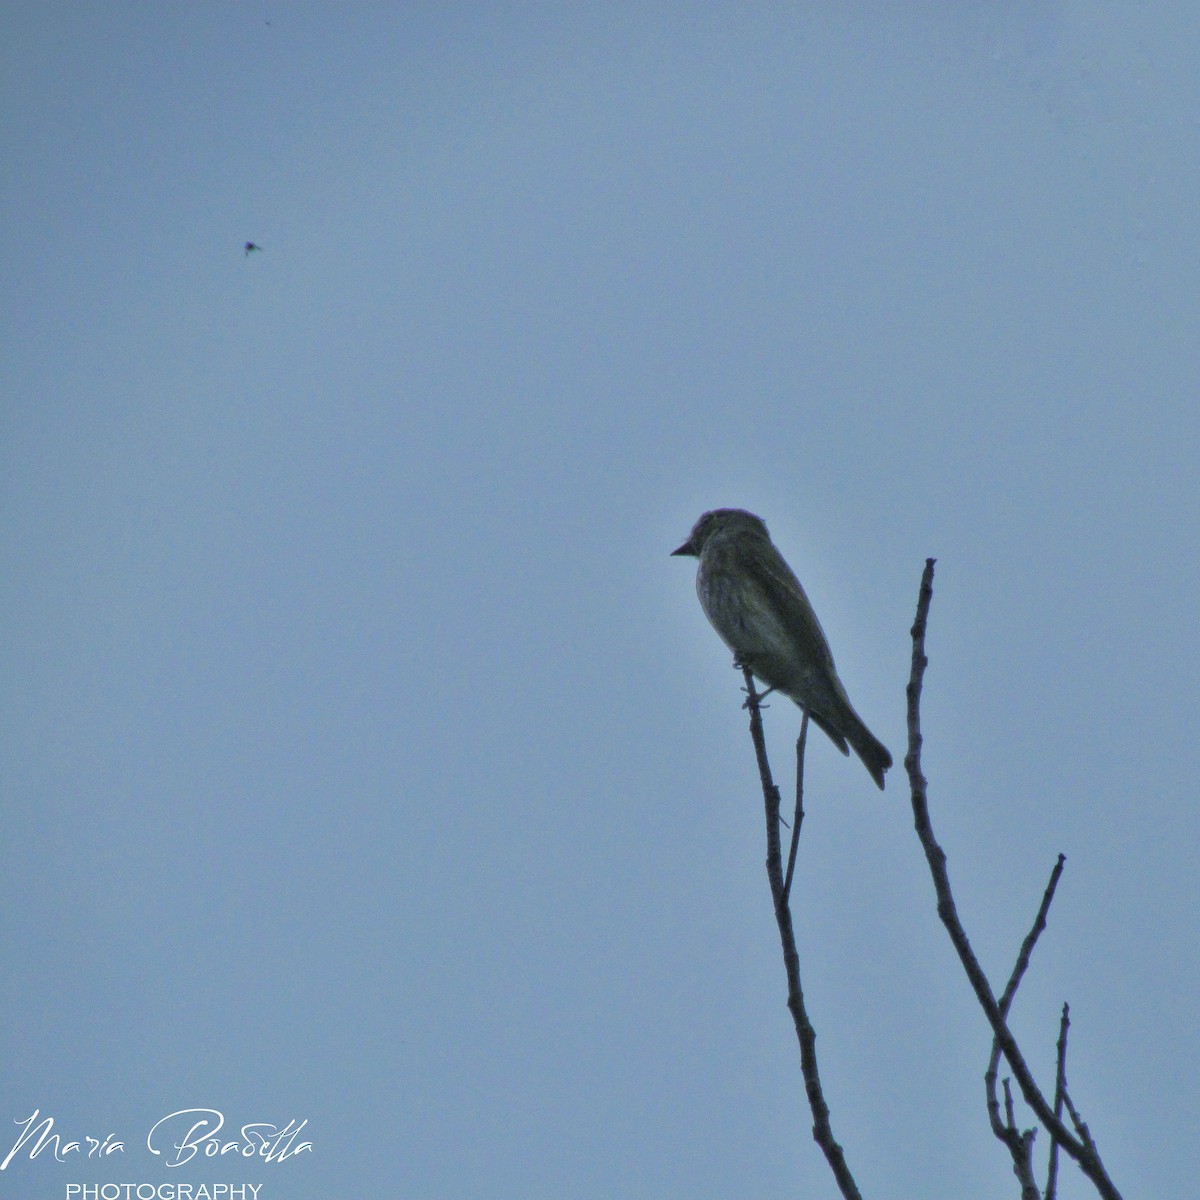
1081, 1148
822, 1130
1019, 1143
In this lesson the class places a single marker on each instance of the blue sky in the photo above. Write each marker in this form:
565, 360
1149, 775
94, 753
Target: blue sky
368, 761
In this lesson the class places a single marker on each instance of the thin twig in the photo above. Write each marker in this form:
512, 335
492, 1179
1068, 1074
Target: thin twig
1076, 1120
822, 1130
1010, 1116
1039, 927
1083, 1153
1019, 1145
1060, 1091
799, 817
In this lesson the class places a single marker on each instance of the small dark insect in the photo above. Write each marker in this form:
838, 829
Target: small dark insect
251, 246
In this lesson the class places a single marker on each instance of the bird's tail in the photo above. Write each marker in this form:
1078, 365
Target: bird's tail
850, 727
874, 754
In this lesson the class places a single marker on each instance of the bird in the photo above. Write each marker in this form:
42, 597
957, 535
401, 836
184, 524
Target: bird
757, 606
250, 246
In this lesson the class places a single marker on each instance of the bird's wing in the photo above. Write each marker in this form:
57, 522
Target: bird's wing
787, 598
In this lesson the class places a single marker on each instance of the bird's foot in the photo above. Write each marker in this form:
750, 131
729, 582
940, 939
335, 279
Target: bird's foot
756, 698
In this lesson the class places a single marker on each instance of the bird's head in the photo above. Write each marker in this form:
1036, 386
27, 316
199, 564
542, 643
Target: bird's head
721, 521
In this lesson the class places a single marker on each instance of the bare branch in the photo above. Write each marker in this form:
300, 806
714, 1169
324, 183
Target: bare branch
1020, 1146
1010, 1116
1039, 927
822, 1130
1018, 1142
798, 820
1076, 1120
1060, 1091
1082, 1151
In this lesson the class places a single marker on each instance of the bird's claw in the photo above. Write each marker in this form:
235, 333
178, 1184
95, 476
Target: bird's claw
756, 698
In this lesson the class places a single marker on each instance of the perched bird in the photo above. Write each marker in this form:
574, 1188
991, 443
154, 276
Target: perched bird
756, 604
249, 247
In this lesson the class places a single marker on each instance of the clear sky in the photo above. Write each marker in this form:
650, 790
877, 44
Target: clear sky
366, 759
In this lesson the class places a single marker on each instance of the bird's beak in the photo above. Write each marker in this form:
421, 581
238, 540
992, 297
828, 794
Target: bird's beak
686, 548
